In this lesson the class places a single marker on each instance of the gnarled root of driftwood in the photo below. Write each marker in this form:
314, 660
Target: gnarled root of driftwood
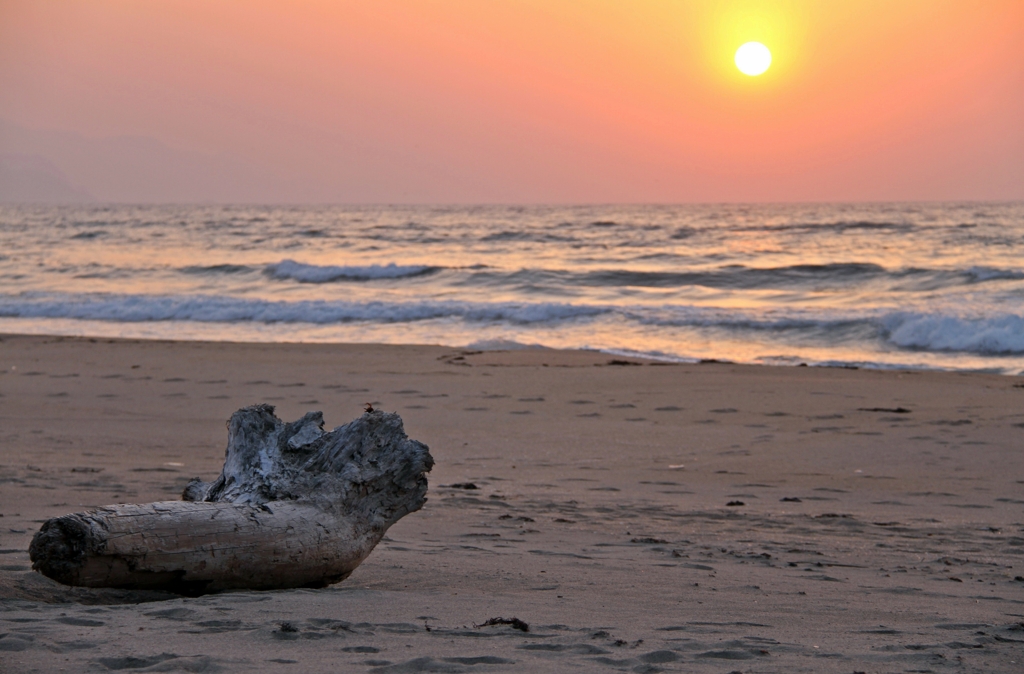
293, 507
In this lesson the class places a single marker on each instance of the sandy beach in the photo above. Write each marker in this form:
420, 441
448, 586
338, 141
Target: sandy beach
638, 516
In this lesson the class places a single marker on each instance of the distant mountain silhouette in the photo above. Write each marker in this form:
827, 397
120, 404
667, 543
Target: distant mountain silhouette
57, 166
35, 179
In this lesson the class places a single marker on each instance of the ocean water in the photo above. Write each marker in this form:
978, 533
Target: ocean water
875, 285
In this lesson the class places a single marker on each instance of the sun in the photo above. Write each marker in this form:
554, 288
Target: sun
753, 58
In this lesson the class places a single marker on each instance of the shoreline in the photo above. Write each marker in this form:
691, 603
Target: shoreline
693, 512
508, 345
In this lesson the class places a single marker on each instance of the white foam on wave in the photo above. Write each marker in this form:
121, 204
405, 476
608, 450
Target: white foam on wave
502, 345
655, 355
990, 335
312, 273
220, 309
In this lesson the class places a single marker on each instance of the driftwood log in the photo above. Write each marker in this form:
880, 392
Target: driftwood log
294, 506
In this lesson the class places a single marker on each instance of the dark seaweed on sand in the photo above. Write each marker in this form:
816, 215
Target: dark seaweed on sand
516, 623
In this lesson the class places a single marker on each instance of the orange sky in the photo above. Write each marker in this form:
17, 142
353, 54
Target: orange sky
536, 100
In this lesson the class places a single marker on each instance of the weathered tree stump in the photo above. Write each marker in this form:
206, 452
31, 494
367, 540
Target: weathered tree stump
293, 507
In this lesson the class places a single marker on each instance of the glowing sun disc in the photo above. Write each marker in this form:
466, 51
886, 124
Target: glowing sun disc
753, 58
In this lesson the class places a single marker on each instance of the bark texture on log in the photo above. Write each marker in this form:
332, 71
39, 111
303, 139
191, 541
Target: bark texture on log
293, 507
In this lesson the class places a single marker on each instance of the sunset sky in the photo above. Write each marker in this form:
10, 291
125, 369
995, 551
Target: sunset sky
517, 101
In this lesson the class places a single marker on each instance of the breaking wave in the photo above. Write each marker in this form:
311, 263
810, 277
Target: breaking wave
217, 309
936, 332
311, 273
992, 335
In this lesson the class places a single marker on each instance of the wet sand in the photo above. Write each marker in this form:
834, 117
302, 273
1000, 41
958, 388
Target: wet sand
637, 516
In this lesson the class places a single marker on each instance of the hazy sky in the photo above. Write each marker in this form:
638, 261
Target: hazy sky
517, 101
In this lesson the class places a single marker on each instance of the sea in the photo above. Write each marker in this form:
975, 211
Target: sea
888, 285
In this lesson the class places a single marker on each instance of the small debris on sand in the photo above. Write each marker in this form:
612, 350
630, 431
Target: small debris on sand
516, 623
